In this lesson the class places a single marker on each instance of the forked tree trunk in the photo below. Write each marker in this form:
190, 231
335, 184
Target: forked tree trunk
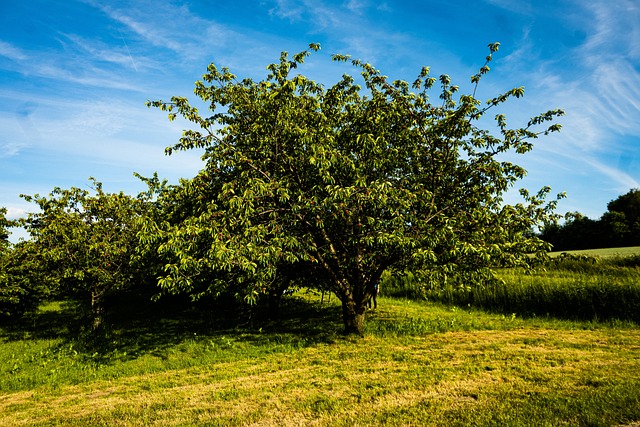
353, 317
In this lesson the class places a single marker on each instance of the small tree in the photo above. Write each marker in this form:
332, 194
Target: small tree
343, 185
88, 242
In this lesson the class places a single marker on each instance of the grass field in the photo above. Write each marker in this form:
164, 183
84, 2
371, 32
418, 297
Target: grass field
604, 253
420, 364
579, 285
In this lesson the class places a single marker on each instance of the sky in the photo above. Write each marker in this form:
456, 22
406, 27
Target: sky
75, 76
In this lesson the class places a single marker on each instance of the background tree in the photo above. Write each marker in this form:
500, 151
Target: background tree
623, 218
619, 226
24, 281
10, 293
87, 240
340, 184
4, 230
576, 233
22, 284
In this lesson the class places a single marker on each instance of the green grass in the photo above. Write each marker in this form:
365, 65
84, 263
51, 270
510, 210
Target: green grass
604, 253
419, 364
580, 285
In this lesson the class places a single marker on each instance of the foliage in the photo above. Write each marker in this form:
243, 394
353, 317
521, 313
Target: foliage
24, 282
87, 242
334, 186
623, 218
21, 285
576, 233
4, 230
618, 227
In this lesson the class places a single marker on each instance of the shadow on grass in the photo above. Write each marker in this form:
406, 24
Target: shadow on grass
137, 327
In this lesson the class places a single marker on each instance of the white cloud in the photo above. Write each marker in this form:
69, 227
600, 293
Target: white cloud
356, 6
9, 51
614, 28
523, 7
598, 85
82, 74
174, 28
100, 51
10, 149
15, 212
623, 180
150, 33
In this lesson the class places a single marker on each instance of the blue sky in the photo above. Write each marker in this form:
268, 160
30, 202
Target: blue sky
74, 77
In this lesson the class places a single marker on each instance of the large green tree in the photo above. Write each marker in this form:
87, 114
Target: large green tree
335, 185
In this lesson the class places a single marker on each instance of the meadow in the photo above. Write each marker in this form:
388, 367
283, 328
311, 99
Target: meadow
580, 285
422, 363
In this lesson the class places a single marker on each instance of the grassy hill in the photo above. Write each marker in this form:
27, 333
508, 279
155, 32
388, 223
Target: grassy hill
419, 364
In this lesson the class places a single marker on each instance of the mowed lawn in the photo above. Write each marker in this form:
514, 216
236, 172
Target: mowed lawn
420, 364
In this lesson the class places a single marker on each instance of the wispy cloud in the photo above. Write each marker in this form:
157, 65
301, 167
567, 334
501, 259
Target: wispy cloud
597, 83
614, 28
522, 6
165, 28
101, 52
88, 75
82, 69
10, 149
288, 9
9, 51
611, 58
623, 180
150, 33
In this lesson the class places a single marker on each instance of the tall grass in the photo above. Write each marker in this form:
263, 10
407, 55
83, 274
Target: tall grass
571, 287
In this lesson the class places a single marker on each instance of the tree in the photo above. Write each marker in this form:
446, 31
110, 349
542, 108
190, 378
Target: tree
622, 218
576, 233
24, 282
9, 292
341, 184
619, 226
5, 224
88, 242
22, 285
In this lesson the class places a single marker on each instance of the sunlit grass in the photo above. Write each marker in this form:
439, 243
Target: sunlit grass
419, 364
603, 253
571, 286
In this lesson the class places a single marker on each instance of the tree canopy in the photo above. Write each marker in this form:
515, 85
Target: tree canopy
87, 241
332, 186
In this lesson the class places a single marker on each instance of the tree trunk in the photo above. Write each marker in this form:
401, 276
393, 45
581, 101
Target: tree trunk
97, 312
275, 297
353, 317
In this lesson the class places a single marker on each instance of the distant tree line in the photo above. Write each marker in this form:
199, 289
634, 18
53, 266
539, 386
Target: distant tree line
618, 227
